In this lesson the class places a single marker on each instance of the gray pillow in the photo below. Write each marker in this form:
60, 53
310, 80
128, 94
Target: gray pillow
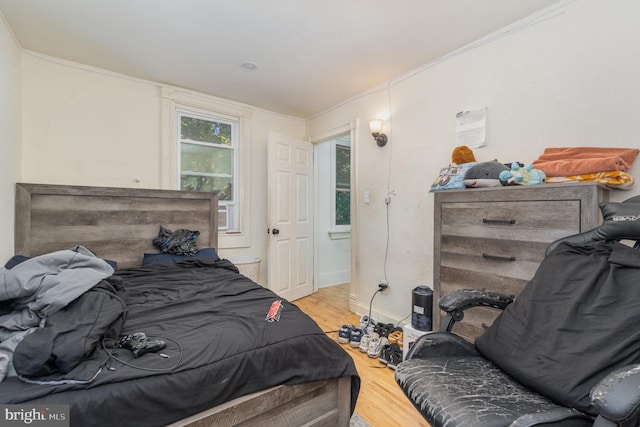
620, 221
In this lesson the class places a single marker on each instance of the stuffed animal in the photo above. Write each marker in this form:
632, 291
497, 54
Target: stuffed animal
485, 174
526, 175
451, 177
462, 154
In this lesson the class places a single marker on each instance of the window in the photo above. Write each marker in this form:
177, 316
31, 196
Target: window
208, 160
341, 177
343, 185
204, 148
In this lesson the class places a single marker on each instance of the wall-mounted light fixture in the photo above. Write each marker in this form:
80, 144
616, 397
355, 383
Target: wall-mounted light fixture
376, 127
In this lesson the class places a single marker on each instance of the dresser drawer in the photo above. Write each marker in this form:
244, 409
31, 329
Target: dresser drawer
496, 238
476, 321
506, 272
542, 221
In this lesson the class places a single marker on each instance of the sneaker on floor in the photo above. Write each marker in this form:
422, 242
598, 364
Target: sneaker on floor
383, 329
375, 346
344, 334
385, 354
395, 356
355, 337
395, 337
366, 339
367, 324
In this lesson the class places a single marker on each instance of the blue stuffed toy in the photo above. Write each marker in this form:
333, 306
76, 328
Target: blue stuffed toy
526, 175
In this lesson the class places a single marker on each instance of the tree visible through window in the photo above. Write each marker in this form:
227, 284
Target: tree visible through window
343, 185
208, 159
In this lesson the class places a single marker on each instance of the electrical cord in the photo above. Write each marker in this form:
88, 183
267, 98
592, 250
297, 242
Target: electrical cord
370, 305
110, 352
386, 249
402, 320
389, 190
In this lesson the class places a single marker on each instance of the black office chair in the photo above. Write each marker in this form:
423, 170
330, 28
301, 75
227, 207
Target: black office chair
565, 352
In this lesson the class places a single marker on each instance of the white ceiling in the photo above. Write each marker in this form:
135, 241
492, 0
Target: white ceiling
310, 54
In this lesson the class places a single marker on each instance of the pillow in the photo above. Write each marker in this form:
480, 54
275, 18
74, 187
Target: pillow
15, 260
18, 259
619, 221
451, 177
165, 258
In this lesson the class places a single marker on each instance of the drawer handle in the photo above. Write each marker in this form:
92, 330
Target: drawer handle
498, 221
499, 257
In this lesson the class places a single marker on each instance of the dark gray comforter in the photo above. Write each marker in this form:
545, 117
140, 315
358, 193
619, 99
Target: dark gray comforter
219, 345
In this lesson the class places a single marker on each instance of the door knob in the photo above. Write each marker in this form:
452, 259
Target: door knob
275, 231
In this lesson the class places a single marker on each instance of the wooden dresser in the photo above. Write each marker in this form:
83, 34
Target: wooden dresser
495, 238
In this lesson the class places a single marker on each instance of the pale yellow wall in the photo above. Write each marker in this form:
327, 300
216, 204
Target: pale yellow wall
85, 126
10, 134
568, 79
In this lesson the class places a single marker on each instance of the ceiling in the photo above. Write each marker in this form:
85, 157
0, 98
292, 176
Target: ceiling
310, 54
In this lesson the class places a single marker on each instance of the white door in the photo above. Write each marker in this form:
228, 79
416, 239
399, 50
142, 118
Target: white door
290, 226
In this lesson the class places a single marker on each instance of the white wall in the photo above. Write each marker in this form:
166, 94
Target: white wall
566, 78
10, 134
85, 126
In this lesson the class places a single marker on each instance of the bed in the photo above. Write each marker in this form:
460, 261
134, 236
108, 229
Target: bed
224, 364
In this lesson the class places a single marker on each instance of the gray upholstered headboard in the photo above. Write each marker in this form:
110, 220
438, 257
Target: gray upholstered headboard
115, 223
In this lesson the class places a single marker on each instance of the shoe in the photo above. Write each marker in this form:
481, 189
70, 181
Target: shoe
375, 346
385, 354
355, 337
344, 334
395, 337
383, 329
395, 356
366, 340
367, 324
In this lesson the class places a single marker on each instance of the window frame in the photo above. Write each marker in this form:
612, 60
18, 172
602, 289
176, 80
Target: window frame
202, 106
231, 206
339, 231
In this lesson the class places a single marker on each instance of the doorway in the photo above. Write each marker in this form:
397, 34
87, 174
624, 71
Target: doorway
333, 159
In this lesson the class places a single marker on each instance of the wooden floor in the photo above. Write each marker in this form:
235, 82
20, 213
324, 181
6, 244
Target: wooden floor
381, 403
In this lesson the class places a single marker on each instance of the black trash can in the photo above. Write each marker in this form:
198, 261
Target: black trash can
421, 313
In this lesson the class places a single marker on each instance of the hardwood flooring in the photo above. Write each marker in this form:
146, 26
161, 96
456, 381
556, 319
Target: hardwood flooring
381, 403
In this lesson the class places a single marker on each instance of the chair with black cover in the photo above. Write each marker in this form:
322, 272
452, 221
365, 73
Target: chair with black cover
564, 352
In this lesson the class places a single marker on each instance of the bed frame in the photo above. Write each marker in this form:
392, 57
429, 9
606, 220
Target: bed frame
119, 224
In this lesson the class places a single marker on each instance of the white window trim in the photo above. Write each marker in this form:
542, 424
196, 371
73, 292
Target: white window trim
182, 111
336, 230
340, 235
174, 99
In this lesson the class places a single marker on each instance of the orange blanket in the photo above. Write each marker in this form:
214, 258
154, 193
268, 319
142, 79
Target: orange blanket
612, 179
581, 160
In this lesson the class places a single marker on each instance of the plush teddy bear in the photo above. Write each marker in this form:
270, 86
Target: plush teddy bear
526, 175
462, 154
485, 174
